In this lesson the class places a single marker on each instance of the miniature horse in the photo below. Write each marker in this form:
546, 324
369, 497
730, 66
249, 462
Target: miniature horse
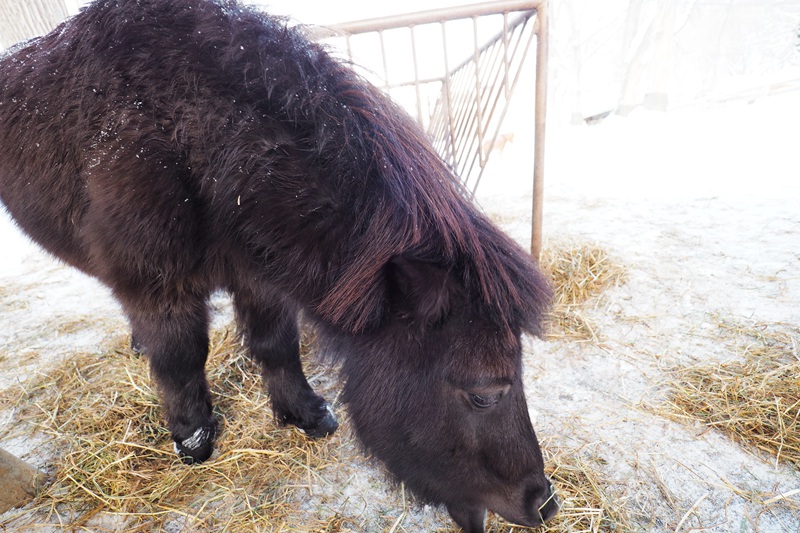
172, 148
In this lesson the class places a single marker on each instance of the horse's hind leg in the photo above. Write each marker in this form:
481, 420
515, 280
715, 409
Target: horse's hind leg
145, 234
175, 342
274, 342
136, 345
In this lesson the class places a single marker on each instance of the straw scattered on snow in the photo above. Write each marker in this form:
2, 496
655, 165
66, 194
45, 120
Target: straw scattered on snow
755, 397
116, 455
586, 504
580, 272
116, 470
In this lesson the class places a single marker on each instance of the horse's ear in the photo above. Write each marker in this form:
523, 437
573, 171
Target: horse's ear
420, 289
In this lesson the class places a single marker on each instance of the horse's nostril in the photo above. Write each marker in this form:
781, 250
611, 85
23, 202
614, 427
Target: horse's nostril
549, 507
542, 501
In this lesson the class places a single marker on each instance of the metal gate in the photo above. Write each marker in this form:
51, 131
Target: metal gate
460, 101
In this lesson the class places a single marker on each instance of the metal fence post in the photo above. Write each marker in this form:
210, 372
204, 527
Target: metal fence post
540, 109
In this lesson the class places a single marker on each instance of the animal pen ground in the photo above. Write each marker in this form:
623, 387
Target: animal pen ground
691, 217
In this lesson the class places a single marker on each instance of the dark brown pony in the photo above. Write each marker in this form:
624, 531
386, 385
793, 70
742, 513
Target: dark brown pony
172, 148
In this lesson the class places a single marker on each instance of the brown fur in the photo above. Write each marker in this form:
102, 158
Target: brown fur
173, 148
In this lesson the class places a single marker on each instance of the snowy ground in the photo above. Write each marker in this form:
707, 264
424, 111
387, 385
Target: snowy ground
701, 206
703, 209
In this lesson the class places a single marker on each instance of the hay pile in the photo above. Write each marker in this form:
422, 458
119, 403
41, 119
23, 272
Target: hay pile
116, 466
580, 272
585, 504
754, 398
116, 471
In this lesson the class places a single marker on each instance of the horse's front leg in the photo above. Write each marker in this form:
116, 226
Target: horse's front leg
274, 342
175, 341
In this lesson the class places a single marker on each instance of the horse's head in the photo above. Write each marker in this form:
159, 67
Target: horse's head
437, 394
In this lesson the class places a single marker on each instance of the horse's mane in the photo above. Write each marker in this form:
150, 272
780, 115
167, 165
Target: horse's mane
417, 206
407, 201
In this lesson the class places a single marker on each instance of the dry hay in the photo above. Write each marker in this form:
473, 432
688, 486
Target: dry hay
754, 398
586, 505
115, 468
585, 502
9, 298
579, 272
74, 325
116, 456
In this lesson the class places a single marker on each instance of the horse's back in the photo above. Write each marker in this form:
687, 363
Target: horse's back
84, 171
40, 183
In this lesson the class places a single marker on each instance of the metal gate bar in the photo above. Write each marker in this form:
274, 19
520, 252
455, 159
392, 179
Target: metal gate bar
468, 102
472, 128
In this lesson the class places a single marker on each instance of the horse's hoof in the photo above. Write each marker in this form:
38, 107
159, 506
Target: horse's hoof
136, 346
196, 448
327, 424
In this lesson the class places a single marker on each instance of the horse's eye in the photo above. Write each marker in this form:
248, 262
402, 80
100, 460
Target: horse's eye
482, 401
